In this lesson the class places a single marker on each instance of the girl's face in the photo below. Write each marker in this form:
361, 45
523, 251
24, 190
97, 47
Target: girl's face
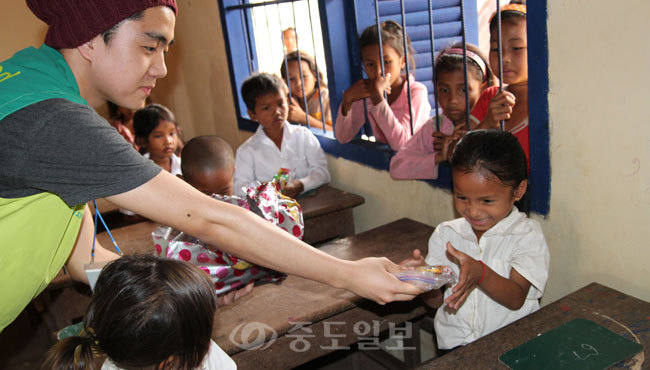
295, 84
450, 89
393, 62
482, 200
514, 53
162, 141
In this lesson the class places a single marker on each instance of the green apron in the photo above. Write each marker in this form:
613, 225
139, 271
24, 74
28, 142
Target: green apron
38, 232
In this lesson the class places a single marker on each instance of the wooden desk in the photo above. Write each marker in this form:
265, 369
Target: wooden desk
328, 214
594, 302
273, 309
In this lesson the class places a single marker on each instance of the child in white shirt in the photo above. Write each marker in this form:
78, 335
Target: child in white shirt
276, 143
500, 255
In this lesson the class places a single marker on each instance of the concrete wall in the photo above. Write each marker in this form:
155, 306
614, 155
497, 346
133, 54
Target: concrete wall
600, 136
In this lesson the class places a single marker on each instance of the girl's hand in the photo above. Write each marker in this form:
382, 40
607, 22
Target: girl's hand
500, 109
296, 113
471, 271
444, 145
293, 188
414, 261
377, 88
358, 90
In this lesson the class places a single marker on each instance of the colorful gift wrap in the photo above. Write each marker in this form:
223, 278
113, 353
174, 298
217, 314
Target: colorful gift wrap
229, 272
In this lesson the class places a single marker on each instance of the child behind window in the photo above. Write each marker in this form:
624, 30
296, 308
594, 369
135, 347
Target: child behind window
511, 104
420, 156
306, 86
146, 312
276, 143
390, 119
502, 254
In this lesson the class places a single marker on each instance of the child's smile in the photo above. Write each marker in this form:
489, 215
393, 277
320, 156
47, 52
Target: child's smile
482, 200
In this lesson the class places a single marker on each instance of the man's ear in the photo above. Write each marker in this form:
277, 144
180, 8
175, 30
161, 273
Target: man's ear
521, 189
87, 49
252, 115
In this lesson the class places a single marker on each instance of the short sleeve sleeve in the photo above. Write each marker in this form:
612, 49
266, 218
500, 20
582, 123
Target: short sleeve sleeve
531, 259
67, 149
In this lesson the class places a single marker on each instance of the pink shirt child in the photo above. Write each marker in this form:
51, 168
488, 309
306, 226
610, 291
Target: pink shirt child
417, 159
390, 124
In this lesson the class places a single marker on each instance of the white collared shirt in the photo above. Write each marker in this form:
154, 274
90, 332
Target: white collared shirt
259, 159
514, 242
215, 359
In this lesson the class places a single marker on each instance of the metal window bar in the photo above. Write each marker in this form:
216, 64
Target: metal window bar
502, 124
433, 66
302, 80
318, 83
249, 54
464, 42
381, 44
254, 5
284, 52
406, 56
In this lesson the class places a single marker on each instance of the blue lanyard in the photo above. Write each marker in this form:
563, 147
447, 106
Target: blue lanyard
92, 251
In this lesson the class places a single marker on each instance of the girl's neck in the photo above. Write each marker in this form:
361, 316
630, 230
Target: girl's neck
164, 162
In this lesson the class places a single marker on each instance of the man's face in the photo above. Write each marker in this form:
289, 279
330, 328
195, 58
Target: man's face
125, 70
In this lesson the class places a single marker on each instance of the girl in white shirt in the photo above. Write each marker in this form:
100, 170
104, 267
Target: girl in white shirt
499, 254
146, 312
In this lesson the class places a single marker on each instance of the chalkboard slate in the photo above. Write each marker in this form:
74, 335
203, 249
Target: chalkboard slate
578, 344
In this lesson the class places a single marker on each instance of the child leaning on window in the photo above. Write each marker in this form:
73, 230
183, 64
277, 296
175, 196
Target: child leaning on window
390, 118
500, 255
420, 156
276, 143
311, 87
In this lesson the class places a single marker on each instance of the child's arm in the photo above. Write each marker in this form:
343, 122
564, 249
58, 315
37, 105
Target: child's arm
169, 200
298, 115
351, 117
397, 130
417, 158
420, 156
510, 292
244, 170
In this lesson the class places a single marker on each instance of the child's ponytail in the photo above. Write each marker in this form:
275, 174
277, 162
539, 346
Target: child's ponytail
73, 353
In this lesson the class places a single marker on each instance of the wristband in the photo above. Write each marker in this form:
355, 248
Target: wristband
483, 274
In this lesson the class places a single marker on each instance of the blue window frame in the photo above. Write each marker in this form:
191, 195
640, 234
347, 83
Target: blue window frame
341, 23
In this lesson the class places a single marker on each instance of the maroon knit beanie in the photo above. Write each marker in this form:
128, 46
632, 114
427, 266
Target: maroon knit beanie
74, 22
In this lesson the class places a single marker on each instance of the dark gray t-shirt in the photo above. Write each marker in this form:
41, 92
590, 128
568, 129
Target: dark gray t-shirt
66, 148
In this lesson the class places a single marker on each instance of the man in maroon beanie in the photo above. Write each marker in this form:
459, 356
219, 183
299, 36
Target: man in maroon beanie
56, 154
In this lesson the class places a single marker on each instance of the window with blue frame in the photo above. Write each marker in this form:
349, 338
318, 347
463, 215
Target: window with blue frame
332, 37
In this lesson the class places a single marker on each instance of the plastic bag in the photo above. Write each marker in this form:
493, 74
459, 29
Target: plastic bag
428, 277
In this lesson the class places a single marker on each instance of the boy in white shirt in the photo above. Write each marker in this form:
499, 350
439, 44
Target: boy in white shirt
277, 143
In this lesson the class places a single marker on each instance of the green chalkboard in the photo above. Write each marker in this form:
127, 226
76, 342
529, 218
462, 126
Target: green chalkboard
578, 344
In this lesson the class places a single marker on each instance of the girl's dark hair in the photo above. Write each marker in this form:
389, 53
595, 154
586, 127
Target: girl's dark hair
146, 119
114, 113
304, 57
145, 309
495, 152
454, 62
391, 35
